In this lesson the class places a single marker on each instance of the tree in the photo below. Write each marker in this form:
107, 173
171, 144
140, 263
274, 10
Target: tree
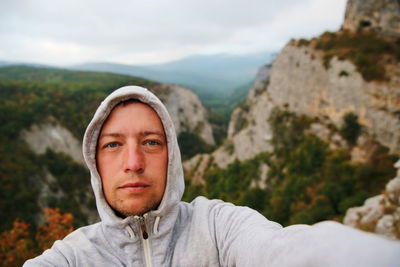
17, 245
351, 128
57, 226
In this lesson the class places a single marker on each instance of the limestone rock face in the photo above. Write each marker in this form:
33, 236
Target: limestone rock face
379, 214
299, 82
51, 135
381, 15
186, 111
248, 132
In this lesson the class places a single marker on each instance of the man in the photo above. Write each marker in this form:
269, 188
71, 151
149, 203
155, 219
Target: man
131, 150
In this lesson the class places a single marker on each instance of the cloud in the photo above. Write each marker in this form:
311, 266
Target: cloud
127, 31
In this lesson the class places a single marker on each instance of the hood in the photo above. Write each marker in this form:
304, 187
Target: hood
175, 182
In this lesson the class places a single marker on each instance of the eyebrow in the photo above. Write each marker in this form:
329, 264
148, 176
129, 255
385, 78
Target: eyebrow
145, 133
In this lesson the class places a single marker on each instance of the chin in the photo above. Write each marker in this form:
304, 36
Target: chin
127, 210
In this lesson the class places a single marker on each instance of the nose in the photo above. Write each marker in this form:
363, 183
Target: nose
134, 159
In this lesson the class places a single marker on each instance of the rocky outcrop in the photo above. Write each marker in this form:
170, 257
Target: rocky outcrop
51, 135
186, 111
379, 214
380, 15
248, 132
300, 82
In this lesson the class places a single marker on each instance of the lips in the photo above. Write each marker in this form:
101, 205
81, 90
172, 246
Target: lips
134, 187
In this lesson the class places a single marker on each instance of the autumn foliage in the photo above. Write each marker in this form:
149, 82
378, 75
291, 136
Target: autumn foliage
57, 227
18, 244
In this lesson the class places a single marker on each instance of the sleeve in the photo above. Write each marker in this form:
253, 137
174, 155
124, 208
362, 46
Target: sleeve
51, 257
246, 238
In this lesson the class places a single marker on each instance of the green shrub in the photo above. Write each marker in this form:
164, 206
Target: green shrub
233, 183
19, 187
310, 182
73, 180
287, 129
351, 128
191, 144
307, 182
303, 42
192, 191
366, 49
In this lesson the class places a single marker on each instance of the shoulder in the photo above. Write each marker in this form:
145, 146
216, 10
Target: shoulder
221, 213
64, 252
83, 234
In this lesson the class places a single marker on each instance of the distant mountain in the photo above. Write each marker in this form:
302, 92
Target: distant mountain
5, 63
12, 63
205, 74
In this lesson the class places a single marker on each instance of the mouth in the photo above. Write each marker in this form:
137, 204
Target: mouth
134, 187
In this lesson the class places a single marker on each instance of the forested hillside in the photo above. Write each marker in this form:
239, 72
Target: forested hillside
304, 179
32, 95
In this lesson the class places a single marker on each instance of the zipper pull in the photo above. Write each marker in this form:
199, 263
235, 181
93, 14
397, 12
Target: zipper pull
143, 228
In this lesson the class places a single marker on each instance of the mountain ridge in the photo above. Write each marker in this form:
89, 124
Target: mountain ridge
214, 76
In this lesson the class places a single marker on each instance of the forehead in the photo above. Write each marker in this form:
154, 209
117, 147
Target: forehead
133, 114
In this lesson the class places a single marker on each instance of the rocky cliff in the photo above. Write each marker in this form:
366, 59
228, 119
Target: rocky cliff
186, 110
379, 214
306, 79
382, 16
51, 135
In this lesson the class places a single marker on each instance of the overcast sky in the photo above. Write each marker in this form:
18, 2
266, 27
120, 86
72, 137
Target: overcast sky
62, 32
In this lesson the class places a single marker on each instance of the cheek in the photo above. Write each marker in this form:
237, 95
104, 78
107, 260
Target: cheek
158, 167
107, 165
100, 163
163, 164
106, 172
164, 171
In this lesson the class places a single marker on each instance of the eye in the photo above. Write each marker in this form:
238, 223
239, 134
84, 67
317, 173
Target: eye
152, 143
111, 145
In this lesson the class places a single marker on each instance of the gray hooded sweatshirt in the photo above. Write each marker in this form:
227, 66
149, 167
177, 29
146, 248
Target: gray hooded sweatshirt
203, 232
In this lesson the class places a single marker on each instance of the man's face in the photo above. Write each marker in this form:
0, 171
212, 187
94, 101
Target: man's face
132, 159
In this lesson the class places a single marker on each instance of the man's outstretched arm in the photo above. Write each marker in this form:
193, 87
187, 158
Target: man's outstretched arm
245, 238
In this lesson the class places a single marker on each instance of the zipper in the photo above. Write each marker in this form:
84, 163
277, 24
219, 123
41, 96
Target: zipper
146, 243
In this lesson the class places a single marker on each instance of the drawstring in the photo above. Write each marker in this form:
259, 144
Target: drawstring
130, 231
155, 228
